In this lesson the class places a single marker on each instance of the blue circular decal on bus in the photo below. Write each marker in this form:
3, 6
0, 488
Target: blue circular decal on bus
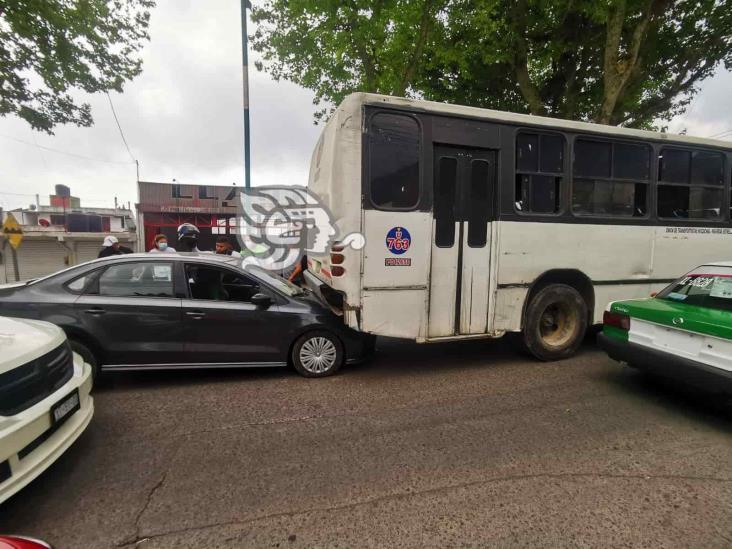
398, 240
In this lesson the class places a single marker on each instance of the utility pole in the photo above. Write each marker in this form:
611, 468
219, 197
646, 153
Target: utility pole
245, 4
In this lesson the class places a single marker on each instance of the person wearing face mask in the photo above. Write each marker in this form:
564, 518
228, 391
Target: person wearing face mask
161, 245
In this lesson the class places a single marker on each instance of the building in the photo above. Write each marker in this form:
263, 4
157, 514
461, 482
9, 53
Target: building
163, 207
61, 234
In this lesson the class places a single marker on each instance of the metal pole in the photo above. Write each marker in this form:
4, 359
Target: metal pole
245, 68
15, 263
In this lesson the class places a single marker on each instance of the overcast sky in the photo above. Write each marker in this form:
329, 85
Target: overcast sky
183, 119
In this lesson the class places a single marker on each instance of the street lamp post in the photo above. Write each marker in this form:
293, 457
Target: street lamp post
245, 4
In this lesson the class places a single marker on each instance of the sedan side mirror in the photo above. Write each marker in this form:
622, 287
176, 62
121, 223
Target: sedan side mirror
261, 300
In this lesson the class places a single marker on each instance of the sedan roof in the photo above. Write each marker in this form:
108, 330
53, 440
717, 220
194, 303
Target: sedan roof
177, 256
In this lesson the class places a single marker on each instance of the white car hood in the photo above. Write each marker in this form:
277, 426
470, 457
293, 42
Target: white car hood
23, 340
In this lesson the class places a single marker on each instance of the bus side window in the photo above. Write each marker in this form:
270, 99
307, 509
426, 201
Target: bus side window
690, 184
539, 168
394, 148
611, 179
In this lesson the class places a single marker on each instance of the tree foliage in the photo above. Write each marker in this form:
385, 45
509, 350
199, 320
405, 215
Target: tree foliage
49, 47
626, 62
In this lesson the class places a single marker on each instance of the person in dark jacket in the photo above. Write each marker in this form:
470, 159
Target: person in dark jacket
112, 246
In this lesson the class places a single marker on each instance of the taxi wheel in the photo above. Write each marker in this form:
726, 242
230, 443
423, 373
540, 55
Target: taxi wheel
556, 321
317, 354
85, 353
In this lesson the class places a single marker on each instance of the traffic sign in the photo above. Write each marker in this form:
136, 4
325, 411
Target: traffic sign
12, 231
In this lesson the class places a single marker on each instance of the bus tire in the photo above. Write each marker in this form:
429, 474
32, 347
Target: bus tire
555, 322
317, 354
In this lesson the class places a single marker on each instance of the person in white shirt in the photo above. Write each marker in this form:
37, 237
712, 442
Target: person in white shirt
161, 245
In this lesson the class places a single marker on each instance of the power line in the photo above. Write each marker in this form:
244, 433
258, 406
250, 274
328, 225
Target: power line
121, 133
82, 157
720, 134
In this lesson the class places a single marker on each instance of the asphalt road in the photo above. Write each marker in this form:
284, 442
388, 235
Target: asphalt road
465, 444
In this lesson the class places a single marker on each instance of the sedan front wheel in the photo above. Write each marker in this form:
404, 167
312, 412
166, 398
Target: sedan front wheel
317, 354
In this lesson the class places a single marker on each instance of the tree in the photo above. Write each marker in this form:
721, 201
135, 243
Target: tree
335, 47
626, 62
49, 47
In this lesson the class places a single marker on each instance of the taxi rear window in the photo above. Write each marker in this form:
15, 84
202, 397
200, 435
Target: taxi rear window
710, 290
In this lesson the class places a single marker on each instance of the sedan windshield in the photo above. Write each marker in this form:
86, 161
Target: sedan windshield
707, 286
275, 281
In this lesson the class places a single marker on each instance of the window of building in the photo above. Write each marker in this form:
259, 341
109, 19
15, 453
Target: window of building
539, 170
58, 220
394, 149
137, 280
203, 193
690, 184
610, 179
177, 191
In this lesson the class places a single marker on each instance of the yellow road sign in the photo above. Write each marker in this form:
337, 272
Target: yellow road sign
12, 231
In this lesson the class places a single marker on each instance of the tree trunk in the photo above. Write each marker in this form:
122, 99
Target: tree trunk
520, 61
424, 29
617, 67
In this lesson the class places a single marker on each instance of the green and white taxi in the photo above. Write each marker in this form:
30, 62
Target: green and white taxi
685, 331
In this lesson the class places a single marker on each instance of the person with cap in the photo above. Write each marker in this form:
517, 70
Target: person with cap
225, 247
111, 246
188, 238
161, 245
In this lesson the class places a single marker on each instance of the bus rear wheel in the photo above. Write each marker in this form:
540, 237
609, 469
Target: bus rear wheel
555, 324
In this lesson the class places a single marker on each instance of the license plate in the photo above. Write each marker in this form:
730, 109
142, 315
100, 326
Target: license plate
65, 407
676, 340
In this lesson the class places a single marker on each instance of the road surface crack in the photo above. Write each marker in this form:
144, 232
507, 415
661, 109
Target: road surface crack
428, 491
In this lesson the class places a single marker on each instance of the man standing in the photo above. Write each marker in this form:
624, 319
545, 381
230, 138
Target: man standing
188, 238
224, 247
112, 246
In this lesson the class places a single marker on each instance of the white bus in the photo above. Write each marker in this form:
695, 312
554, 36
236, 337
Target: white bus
480, 222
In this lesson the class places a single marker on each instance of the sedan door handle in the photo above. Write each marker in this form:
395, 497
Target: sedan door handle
95, 311
196, 314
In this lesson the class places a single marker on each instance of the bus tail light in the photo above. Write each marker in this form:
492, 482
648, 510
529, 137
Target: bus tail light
616, 320
337, 271
337, 259
337, 246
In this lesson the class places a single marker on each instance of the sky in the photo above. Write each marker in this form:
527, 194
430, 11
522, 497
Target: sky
182, 118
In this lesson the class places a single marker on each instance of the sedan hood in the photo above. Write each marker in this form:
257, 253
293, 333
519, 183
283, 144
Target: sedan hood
23, 340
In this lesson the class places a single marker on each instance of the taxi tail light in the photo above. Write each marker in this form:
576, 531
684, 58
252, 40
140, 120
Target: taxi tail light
337, 270
616, 320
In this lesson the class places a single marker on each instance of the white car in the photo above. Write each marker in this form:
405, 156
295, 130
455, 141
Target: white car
44, 400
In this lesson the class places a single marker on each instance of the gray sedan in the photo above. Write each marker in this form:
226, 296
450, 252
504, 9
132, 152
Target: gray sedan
165, 311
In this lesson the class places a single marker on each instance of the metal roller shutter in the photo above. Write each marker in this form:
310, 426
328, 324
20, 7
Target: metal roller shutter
38, 258
86, 251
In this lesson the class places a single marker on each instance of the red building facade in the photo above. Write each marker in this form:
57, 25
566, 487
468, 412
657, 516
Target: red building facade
162, 207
